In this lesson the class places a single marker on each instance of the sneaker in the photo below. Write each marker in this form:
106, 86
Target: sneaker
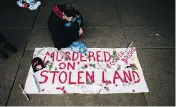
34, 6
3, 56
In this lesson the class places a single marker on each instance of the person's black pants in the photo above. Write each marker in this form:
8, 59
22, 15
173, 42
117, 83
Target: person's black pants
6, 45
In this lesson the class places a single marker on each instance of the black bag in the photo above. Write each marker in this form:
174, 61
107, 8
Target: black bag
37, 64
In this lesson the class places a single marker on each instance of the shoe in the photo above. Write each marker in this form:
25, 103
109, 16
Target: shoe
3, 56
34, 6
10, 47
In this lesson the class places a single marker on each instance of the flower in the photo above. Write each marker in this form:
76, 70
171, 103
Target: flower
78, 62
64, 92
131, 65
108, 82
86, 66
89, 82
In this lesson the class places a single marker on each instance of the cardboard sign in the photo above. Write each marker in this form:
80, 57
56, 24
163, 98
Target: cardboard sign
101, 71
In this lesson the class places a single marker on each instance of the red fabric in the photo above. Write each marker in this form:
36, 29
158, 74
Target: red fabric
58, 12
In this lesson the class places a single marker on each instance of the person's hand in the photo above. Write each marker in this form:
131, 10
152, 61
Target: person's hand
80, 31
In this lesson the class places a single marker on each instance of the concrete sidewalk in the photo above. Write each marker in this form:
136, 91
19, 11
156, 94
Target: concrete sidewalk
108, 24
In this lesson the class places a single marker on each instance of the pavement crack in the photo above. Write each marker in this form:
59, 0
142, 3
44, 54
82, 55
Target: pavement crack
121, 23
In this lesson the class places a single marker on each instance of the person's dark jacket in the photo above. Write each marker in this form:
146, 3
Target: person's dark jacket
63, 36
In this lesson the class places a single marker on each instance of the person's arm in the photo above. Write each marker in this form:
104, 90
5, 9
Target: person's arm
81, 17
81, 24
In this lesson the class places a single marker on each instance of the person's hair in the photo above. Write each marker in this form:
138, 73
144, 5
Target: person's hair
68, 9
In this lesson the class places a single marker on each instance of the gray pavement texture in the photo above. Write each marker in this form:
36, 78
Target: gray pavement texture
108, 23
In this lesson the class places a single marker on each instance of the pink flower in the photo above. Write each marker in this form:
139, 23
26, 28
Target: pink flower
109, 82
78, 62
131, 65
86, 66
64, 92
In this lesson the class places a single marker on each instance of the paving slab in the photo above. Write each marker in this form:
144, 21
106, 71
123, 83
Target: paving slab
104, 38
16, 37
95, 12
94, 37
40, 37
146, 13
15, 17
159, 72
17, 98
151, 37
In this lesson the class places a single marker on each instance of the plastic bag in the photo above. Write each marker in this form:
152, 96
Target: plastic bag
79, 46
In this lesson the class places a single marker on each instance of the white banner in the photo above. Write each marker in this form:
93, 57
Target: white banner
102, 71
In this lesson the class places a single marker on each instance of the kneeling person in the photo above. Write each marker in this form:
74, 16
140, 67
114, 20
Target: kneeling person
65, 24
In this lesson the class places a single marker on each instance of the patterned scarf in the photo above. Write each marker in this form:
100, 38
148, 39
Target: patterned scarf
77, 19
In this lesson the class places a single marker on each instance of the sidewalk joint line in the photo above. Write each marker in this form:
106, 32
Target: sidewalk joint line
22, 56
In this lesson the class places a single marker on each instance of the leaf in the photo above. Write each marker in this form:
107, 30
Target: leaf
89, 82
50, 66
114, 53
83, 67
134, 67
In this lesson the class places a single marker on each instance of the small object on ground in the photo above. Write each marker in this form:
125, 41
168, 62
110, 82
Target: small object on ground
119, 67
36, 83
24, 92
92, 65
37, 64
30, 4
89, 82
50, 64
34, 6
79, 46
128, 66
114, 54
129, 46
157, 35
